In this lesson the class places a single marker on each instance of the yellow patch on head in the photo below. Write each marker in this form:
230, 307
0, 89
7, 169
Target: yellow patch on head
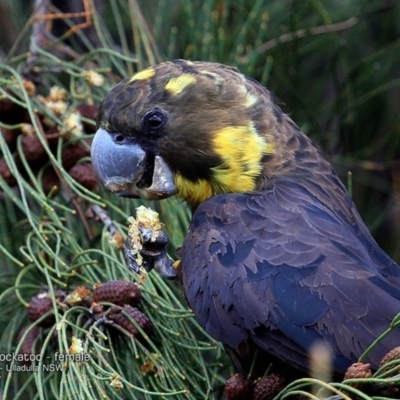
147, 73
180, 83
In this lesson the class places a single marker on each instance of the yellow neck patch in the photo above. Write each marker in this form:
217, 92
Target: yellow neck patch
241, 148
193, 192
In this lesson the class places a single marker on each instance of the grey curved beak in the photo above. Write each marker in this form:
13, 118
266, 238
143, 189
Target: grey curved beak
120, 165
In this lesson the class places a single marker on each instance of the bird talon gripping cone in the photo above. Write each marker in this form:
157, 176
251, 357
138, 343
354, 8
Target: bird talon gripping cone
277, 256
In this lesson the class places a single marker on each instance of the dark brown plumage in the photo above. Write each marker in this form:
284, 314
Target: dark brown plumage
276, 256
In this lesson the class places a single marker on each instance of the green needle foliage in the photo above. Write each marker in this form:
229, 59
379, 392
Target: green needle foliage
336, 65
48, 243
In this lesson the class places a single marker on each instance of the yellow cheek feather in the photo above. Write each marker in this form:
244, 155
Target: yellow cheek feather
180, 83
241, 148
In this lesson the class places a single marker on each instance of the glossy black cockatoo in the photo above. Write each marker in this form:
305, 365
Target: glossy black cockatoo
277, 256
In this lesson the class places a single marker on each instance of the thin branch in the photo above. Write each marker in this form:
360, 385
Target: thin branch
39, 36
318, 30
102, 215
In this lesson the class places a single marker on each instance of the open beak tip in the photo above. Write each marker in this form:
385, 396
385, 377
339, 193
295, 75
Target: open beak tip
120, 168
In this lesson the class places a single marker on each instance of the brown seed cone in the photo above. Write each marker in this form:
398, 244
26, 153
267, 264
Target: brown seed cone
50, 180
33, 148
392, 355
52, 134
117, 292
358, 370
10, 137
141, 319
7, 107
72, 154
238, 388
40, 305
5, 172
268, 387
84, 174
12, 113
27, 346
90, 112
31, 345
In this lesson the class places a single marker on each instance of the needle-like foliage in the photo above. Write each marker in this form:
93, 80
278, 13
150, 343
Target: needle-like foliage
335, 66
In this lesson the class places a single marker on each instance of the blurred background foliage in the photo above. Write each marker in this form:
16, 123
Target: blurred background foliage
333, 63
